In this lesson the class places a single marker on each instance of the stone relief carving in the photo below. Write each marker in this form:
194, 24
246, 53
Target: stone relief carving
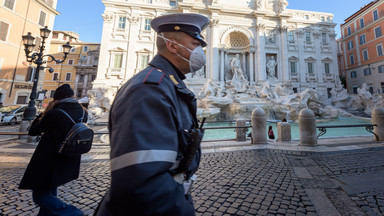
279, 6
134, 19
316, 35
107, 17
258, 4
270, 38
214, 23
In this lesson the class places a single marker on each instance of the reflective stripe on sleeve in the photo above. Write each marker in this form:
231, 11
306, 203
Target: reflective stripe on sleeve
144, 156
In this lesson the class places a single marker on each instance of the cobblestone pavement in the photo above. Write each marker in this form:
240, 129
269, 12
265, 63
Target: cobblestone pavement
253, 182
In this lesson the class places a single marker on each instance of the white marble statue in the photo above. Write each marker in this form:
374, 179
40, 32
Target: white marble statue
279, 6
239, 80
271, 67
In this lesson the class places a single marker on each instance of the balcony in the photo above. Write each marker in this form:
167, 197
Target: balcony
295, 77
311, 77
115, 72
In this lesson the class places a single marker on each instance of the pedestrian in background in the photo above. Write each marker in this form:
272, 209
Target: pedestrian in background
47, 169
151, 126
271, 135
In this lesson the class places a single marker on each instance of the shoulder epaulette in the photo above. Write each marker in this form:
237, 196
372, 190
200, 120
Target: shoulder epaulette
154, 76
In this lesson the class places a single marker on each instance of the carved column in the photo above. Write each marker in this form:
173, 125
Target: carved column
283, 73
222, 53
319, 64
104, 62
213, 66
132, 61
302, 66
260, 57
244, 65
251, 73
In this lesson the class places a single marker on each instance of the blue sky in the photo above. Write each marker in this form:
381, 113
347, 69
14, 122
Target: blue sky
84, 16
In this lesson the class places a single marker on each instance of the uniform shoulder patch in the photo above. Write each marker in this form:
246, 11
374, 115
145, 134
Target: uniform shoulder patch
154, 76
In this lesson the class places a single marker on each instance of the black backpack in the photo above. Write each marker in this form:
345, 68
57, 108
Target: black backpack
78, 140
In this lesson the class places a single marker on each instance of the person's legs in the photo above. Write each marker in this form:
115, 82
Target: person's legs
51, 205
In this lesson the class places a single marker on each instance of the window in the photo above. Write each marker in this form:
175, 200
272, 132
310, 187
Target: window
55, 76
329, 90
42, 18
3, 30
70, 61
353, 74
382, 87
322, 19
350, 45
362, 39
55, 35
355, 89
378, 32
367, 71
324, 38
147, 25
375, 15
21, 99
144, 61
30, 74
294, 90
173, 3
293, 67
117, 61
306, 17
381, 68
9, 4
371, 89
122, 21
349, 30
326, 68
362, 23
68, 76
310, 67
81, 79
93, 77
308, 37
79, 92
352, 59
52, 93
365, 55
379, 49
290, 36
85, 49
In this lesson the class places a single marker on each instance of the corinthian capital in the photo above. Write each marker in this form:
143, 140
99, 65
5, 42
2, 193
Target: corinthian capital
214, 23
107, 17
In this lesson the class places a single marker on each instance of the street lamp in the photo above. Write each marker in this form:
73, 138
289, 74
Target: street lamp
37, 58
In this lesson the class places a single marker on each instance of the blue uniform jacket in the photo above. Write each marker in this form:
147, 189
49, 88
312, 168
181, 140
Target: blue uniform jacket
149, 125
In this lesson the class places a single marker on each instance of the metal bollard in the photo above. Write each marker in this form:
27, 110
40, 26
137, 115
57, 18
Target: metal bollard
378, 118
259, 126
241, 135
307, 127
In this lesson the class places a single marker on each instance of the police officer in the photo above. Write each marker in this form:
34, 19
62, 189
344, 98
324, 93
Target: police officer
151, 122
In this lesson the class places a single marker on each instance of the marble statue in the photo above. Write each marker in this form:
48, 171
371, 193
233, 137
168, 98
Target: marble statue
279, 6
258, 4
239, 79
200, 73
339, 94
271, 67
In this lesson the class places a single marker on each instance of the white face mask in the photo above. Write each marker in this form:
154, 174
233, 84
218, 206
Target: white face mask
197, 59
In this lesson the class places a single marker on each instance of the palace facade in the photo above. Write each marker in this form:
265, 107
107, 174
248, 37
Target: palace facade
302, 43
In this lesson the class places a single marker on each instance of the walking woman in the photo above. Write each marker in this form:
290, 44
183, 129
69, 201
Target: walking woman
47, 169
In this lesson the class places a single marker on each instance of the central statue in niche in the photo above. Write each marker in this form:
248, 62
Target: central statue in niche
237, 78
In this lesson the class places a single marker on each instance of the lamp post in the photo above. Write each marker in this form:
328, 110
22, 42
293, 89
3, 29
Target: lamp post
38, 59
